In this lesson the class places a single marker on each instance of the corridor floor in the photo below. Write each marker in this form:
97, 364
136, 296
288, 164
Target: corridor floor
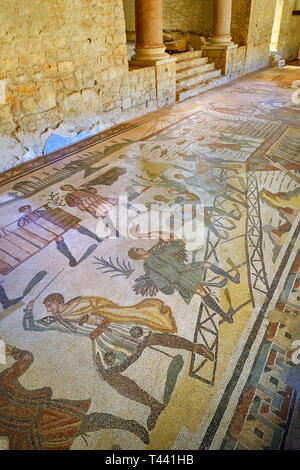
147, 340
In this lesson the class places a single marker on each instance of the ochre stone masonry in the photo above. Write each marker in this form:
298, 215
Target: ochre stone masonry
259, 34
193, 16
240, 21
231, 61
64, 68
289, 34
251, 26
181, 16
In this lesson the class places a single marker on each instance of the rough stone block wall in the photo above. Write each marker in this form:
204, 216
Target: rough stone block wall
64, 64
289, 35
252, 25
235, 61
56, 59
64, 70
142, 90
240, 21
230, 61
188, 16
193, 18
259, 34
180, 16
166, 83
129, 13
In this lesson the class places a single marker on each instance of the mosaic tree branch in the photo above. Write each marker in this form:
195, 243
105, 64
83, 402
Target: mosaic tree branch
121, 269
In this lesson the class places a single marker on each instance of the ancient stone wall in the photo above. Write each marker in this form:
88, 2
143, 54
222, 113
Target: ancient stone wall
64, 65
192, 16
259, 34
240, 21
180, 16
252, 25
289, 34
129, 13
230, 61
59, 59
64, 70
165, 83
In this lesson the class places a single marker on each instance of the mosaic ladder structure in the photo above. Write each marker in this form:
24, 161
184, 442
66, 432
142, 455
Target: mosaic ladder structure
206, 330
18, 244
259, 281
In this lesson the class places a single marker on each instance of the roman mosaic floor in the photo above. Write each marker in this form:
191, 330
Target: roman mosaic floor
148, 339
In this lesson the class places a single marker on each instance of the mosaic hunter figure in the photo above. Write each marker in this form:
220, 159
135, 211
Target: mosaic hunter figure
119, 336
167, 271
33, 420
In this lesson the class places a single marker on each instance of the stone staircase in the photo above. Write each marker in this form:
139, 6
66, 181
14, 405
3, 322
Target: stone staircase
194, 75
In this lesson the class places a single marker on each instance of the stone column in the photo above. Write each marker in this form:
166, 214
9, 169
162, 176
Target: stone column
220, 49
149, 33
221, 23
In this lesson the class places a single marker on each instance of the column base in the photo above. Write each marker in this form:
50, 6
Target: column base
224, 39
218, 46
224, 56
151, 56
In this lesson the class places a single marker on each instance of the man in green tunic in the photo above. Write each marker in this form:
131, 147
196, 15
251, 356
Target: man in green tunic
166, 271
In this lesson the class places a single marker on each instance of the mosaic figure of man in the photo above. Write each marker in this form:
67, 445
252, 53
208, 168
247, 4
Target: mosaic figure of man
32, 420
88, 200
51, 225
166, 270
119, 336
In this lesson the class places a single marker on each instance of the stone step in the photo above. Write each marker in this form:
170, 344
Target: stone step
184, 73
187, 55
199, 88
192, 70
193, 62
197, 79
